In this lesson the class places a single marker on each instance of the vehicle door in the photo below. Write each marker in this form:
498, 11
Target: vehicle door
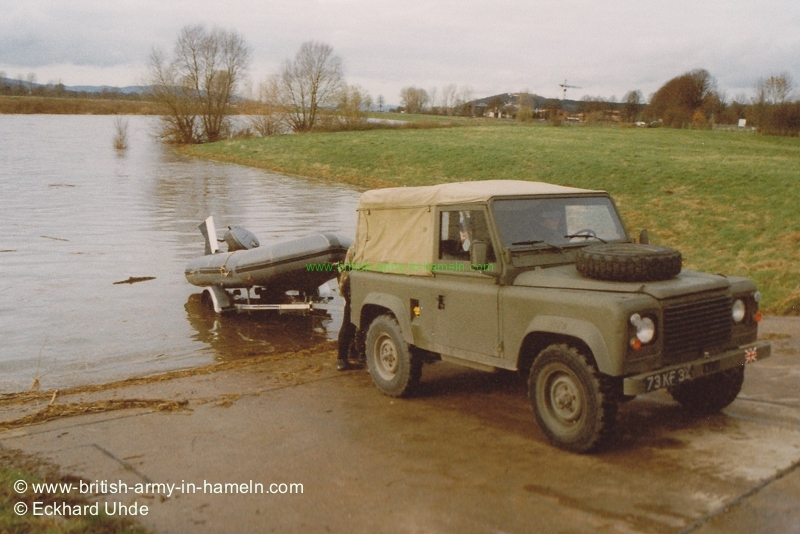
466, 301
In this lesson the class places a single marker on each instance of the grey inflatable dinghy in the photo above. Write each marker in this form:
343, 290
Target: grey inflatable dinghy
302, 264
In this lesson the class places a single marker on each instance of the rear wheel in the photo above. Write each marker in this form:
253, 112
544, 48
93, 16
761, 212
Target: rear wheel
573, 403
711, 393
394, 367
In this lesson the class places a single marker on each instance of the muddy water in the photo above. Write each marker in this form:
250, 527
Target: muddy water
76, 216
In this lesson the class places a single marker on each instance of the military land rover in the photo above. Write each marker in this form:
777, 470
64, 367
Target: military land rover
544, 279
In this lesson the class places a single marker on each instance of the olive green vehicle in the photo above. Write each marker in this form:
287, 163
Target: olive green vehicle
546, 280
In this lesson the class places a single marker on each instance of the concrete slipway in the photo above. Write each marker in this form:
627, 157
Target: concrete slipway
463, 456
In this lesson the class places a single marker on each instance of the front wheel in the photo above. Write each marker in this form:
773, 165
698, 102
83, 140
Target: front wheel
394, 368
710, 393
573, 403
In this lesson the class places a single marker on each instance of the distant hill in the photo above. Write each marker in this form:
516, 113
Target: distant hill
129, 89
9, 85
532, 100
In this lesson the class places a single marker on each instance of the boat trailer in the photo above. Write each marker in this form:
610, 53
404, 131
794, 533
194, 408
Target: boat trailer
224, 301
274, 272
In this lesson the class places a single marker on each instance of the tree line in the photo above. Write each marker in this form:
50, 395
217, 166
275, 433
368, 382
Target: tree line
28, 86
196, 87
690, 100
196, 90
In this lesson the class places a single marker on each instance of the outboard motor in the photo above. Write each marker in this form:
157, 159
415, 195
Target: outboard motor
240, 239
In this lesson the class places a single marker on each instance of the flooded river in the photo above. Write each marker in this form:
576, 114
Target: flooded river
76, 216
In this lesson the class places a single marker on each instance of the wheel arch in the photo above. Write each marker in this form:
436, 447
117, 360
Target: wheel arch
544, 331
376, 304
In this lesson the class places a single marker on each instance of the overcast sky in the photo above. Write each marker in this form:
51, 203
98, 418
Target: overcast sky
606, 48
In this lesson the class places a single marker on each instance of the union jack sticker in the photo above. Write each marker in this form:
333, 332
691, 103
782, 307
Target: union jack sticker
750, 355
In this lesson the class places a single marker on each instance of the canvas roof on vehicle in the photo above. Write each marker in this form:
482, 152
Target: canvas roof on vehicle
395, 231
454, 193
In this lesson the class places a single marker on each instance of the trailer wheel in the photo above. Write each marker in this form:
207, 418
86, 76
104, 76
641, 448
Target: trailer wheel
394, 367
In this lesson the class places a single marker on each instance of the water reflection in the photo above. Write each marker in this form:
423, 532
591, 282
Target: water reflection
76, 215
235, 336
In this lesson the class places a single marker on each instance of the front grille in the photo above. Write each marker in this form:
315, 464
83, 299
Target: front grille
695, 326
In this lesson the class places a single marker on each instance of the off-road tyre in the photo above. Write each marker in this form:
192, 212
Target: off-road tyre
628, 262
394, 367
710, 393
574, 404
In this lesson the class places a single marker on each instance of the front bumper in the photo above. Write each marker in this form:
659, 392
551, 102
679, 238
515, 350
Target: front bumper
674, 375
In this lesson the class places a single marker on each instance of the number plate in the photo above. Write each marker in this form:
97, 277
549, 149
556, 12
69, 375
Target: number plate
666, 379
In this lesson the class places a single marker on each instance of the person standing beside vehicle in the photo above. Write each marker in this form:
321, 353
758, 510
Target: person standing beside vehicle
347, 332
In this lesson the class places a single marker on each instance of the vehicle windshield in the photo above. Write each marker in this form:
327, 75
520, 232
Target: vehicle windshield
548, 222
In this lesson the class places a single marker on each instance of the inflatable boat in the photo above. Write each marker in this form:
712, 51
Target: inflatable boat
302, 264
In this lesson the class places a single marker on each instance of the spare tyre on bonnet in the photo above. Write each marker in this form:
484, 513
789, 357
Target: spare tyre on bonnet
628, 262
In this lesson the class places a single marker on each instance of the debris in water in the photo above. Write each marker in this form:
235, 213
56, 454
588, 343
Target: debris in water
54, 238
134, 279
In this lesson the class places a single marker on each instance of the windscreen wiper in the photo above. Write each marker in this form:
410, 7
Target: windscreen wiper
585, 236
536, 242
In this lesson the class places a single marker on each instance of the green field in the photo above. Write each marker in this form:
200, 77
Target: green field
729, 201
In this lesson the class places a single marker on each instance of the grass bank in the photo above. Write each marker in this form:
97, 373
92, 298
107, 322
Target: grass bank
17, 468
729, 201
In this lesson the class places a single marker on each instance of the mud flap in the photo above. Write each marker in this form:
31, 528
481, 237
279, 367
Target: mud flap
219, 299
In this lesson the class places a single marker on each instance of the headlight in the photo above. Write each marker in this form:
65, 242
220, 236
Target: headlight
738, 311
645, 330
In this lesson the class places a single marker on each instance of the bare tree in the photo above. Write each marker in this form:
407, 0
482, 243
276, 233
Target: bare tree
4, 85
267, 120
463, 99
432, 95
449, 98
195, 87
414, 99
774, 90
179, 108
772, 108
632, 105
354, 102
381, 102
310, 82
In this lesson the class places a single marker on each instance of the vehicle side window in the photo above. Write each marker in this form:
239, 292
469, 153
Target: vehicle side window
458, 230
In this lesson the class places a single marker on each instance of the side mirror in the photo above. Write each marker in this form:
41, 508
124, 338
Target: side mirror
643, 237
